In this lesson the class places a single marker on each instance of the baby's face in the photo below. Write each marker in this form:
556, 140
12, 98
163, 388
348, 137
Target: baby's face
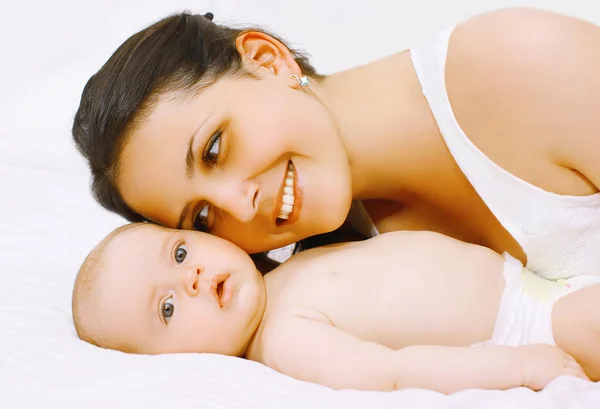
169, 291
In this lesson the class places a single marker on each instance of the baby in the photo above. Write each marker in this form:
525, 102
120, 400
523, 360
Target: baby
401, 310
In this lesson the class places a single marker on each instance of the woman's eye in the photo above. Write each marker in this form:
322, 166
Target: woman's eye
211, 153
201, 220
180, 254
167, 309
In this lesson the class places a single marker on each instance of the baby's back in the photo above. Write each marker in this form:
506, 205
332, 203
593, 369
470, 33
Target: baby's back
398, 289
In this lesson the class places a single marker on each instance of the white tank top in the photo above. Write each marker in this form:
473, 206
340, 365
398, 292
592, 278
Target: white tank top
560, 234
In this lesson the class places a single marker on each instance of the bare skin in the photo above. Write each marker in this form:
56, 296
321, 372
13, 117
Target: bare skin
398, 311
406, 292
523, 85
515, 108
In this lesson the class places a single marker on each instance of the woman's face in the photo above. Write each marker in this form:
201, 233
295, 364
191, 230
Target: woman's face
258, 162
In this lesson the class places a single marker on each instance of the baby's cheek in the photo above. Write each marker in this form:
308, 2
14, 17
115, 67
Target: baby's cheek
198, 328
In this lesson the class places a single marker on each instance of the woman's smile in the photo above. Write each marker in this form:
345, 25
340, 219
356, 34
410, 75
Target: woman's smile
289, 198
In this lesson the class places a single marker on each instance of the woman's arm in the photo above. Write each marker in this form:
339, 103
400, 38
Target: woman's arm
317, 352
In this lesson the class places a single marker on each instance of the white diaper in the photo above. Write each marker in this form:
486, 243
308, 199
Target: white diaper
525, 313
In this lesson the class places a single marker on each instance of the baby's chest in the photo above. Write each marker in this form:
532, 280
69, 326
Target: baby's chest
365, 305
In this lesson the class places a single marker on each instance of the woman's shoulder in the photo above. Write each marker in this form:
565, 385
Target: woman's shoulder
515, 43
519, 25
515, 76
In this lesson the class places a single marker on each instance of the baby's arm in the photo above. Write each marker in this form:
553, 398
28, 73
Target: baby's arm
317, 352
576, 328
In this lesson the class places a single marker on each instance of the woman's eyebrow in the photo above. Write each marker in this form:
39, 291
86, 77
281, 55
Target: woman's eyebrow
190, 157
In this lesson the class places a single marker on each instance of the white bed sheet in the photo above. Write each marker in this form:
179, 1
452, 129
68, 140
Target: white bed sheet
48, 221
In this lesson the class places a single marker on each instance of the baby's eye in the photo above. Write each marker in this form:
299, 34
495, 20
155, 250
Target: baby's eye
201, 221
211, 153
180, 254
167, 309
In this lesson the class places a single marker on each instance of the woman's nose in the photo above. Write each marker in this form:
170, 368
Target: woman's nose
240, 202
192, 281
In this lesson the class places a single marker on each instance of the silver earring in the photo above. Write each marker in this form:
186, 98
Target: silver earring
302, 81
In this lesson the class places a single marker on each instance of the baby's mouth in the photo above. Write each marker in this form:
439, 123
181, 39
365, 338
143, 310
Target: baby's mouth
220, 289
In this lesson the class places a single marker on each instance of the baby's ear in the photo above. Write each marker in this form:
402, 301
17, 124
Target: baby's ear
260, 50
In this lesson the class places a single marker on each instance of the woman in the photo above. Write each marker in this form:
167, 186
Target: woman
488, 132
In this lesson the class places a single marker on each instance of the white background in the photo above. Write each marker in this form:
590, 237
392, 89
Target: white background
48, 221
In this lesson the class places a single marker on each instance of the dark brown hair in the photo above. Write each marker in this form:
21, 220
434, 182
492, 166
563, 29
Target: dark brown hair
181, 53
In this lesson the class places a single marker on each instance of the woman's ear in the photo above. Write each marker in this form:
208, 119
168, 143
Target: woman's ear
260, 50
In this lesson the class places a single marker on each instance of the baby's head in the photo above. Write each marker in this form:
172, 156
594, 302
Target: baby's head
151, 290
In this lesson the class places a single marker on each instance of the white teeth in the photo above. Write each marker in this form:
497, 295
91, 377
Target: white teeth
288, 194
288, 199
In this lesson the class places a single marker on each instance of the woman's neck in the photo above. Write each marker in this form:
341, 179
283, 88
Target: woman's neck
386, 126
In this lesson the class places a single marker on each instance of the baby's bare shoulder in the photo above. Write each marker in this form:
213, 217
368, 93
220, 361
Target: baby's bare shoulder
317, 257
414, 236
398, 243
423, 242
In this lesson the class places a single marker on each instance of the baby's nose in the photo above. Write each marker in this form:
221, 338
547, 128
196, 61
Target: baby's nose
192, 285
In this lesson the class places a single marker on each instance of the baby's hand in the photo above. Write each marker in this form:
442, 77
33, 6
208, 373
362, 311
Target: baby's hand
541, 363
